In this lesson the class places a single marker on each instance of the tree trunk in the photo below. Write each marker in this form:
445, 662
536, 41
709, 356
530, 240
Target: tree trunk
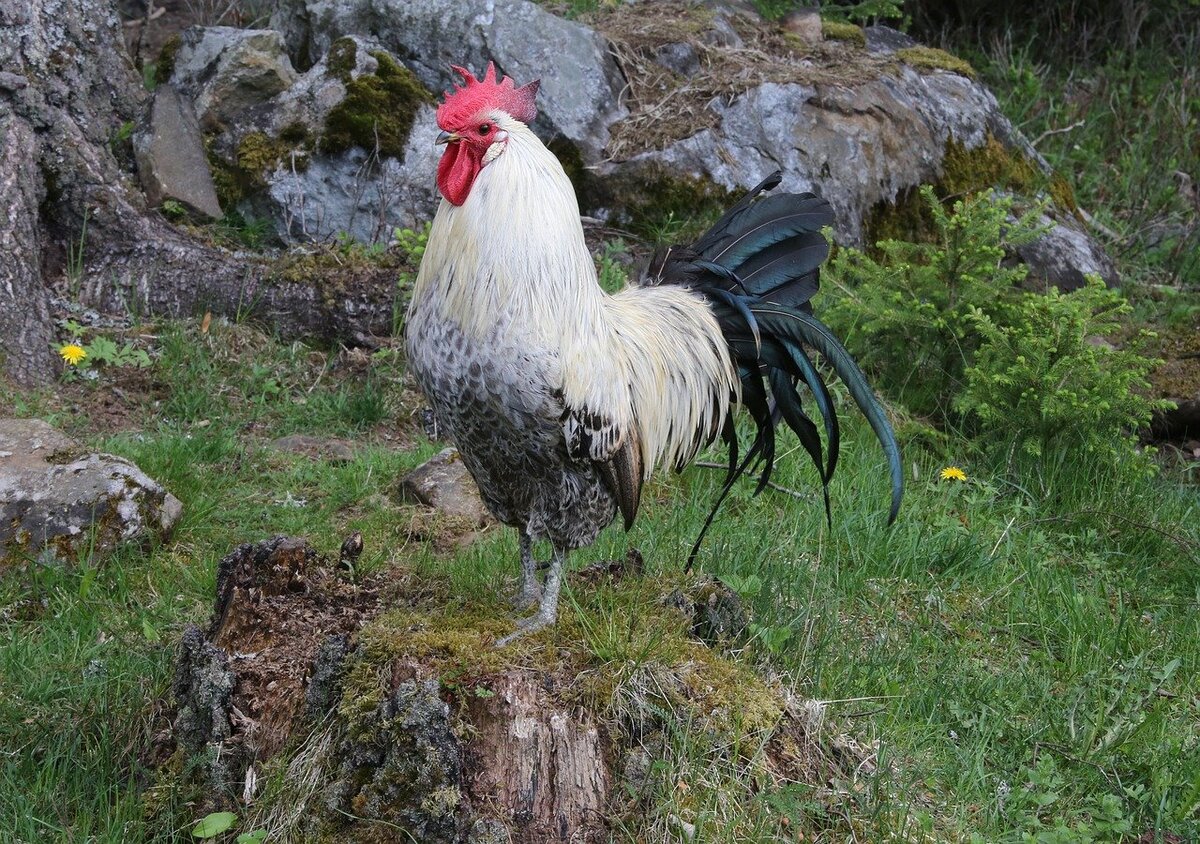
73, 214
25, 337
271, 665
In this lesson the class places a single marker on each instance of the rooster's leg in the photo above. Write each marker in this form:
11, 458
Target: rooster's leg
548, 610
531, 591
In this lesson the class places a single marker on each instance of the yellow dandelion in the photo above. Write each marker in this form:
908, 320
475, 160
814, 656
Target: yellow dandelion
952, 473
72, 353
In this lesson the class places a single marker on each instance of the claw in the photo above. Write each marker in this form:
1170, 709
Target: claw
532, 624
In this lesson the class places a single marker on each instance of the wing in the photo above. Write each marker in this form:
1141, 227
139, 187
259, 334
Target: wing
614, 449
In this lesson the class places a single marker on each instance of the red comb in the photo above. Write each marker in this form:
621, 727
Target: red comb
466, 101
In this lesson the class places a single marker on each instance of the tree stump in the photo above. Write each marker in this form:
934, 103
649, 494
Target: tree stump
381, 709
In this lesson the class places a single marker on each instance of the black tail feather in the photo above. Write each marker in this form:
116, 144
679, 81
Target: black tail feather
759, 266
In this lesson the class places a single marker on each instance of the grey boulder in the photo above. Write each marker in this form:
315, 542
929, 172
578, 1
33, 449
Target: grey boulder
170, 156
863, 146
227, 72
57, 499
443, 483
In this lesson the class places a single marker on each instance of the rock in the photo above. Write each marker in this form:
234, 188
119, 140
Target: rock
720, 31
227, 71
328, 448
1065, 254
864, 147
346, 150
444, 483
170, 156
861, 125
56, 498
1177, 379
884, 39
857, 146
678, 57
805, 24
582, 85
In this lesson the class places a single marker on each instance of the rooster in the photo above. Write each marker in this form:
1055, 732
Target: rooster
562, 398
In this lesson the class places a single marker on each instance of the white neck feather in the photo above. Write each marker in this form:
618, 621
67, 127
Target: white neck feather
514, 246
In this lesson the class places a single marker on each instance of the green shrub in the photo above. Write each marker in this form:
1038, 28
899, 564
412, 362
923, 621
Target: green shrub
908, 312
1046, 372
947, 330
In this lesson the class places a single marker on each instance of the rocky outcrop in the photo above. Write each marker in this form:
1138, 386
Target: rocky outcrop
229, 73
344, 149
900, 116
697, 106
57, 499
581, 88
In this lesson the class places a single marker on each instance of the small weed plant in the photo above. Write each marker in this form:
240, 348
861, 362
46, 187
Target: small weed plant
410, 244
84, 358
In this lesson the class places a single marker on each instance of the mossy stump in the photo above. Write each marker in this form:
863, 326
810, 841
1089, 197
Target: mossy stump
322, 709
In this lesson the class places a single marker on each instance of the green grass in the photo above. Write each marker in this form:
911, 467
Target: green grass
1121, 124
1033, 622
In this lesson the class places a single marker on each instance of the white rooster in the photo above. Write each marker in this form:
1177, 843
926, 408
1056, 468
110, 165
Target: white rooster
562, 398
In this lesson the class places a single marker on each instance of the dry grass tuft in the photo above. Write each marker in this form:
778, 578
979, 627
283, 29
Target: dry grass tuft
665, 106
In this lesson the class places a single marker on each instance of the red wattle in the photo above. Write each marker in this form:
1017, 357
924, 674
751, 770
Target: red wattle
456, 172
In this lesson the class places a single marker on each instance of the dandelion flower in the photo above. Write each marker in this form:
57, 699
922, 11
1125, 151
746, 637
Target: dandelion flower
952, 473
72, 353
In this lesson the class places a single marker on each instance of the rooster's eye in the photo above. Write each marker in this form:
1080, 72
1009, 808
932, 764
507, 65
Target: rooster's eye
484, 128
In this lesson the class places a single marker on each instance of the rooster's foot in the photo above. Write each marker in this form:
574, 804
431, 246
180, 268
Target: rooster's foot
529, 596
528, 625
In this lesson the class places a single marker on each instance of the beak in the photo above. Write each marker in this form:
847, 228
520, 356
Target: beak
446, 137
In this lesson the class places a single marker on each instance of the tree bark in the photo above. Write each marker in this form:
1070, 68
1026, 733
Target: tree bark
25, 337
270, 666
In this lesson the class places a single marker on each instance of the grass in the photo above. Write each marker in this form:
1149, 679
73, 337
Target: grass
1023, 649
1121, 125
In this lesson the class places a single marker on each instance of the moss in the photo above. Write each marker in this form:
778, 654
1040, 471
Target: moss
256, 155
843, 31
342, 59
582, 179
259, 154
729, 697
1063, 194
165, 66
452, 643
1178, 376
377, 112
661, 205
991, 164
931, 58
296, 135
965, 172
